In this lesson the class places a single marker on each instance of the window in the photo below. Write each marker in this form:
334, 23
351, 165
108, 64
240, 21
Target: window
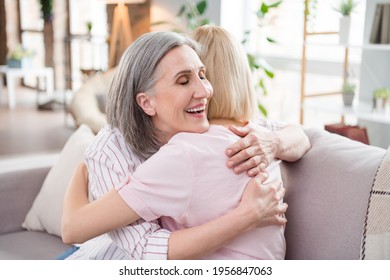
285, 25
87, 51
31, 29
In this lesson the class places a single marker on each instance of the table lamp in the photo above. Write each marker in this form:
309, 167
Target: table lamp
121, 35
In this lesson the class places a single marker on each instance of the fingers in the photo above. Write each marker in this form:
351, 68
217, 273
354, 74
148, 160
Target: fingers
251, 163
252, 171
280, 220
248, 158
249, 155
237, 151
280, 217
282, 208
261, 177
280, 193
240, 131
242, 143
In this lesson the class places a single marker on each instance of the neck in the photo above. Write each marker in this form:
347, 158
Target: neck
227, 122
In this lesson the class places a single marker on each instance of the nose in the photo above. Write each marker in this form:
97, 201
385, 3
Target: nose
202, 89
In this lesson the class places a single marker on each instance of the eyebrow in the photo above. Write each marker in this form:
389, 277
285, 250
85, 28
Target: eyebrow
188, 71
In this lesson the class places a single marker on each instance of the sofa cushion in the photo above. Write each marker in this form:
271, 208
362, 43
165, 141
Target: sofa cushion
327, 194
30, 245
46, 211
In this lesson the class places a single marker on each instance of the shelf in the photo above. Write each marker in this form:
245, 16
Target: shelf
360, 110
376, 47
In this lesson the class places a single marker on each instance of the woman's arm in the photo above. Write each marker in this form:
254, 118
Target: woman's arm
259, 207
259, 146
81, 218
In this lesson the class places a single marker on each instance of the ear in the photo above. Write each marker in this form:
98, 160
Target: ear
145, 101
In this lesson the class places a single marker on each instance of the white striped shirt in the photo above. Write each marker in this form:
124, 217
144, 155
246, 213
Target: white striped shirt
110, 161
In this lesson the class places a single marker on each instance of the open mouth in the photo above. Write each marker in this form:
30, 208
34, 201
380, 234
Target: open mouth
196, 110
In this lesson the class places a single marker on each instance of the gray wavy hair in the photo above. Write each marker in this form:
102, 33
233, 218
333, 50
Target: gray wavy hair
136, 73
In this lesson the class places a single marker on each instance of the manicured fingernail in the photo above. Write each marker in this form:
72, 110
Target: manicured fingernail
230, 163
262, 165
229, 152
237, 170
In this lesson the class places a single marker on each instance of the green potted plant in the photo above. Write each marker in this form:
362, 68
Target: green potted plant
47, 10
190, 16
348, 92
381, 98
19, 57
345, 8
194, 14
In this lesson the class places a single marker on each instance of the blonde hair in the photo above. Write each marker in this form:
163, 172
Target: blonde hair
228, 72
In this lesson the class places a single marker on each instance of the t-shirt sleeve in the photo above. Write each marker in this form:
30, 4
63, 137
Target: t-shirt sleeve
161, 186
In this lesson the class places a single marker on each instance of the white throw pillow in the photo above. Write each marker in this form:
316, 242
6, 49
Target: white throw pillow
46, 211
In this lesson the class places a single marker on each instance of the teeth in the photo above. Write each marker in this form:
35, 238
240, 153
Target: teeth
196, 110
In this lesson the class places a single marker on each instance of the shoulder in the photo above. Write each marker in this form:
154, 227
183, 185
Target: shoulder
200, 146
111, 145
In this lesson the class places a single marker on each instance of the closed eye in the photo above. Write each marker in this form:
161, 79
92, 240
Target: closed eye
183, 81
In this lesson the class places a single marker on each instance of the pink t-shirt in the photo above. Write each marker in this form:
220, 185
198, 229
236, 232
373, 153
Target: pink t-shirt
187, 184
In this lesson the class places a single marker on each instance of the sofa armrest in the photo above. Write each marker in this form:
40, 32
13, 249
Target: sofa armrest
327, 193
18, 190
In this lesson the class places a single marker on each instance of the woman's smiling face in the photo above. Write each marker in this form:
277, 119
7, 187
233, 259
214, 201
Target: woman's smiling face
181, 93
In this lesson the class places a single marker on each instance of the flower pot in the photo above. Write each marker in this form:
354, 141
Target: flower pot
348, 99
19, 63
382, 105
344, 30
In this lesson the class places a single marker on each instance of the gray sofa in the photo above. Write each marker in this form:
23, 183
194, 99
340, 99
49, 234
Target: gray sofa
18, 190
327, 191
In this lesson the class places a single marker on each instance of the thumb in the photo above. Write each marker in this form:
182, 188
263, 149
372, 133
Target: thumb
239, 131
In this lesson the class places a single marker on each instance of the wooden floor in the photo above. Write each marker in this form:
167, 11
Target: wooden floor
27, 130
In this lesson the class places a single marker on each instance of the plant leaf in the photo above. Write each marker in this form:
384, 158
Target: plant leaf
204, 21
269, 71
201, 6
262, 86
262, 109
271, 40
181, 11
275, 5
264, 9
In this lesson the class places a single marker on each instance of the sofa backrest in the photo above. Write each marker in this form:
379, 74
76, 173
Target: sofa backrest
87, 106
327, 193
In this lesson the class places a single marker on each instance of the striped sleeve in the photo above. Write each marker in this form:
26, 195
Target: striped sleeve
271, 125
98, 248
110, 162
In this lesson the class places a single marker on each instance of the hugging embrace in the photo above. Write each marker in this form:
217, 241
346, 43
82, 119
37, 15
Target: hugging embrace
186, 168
